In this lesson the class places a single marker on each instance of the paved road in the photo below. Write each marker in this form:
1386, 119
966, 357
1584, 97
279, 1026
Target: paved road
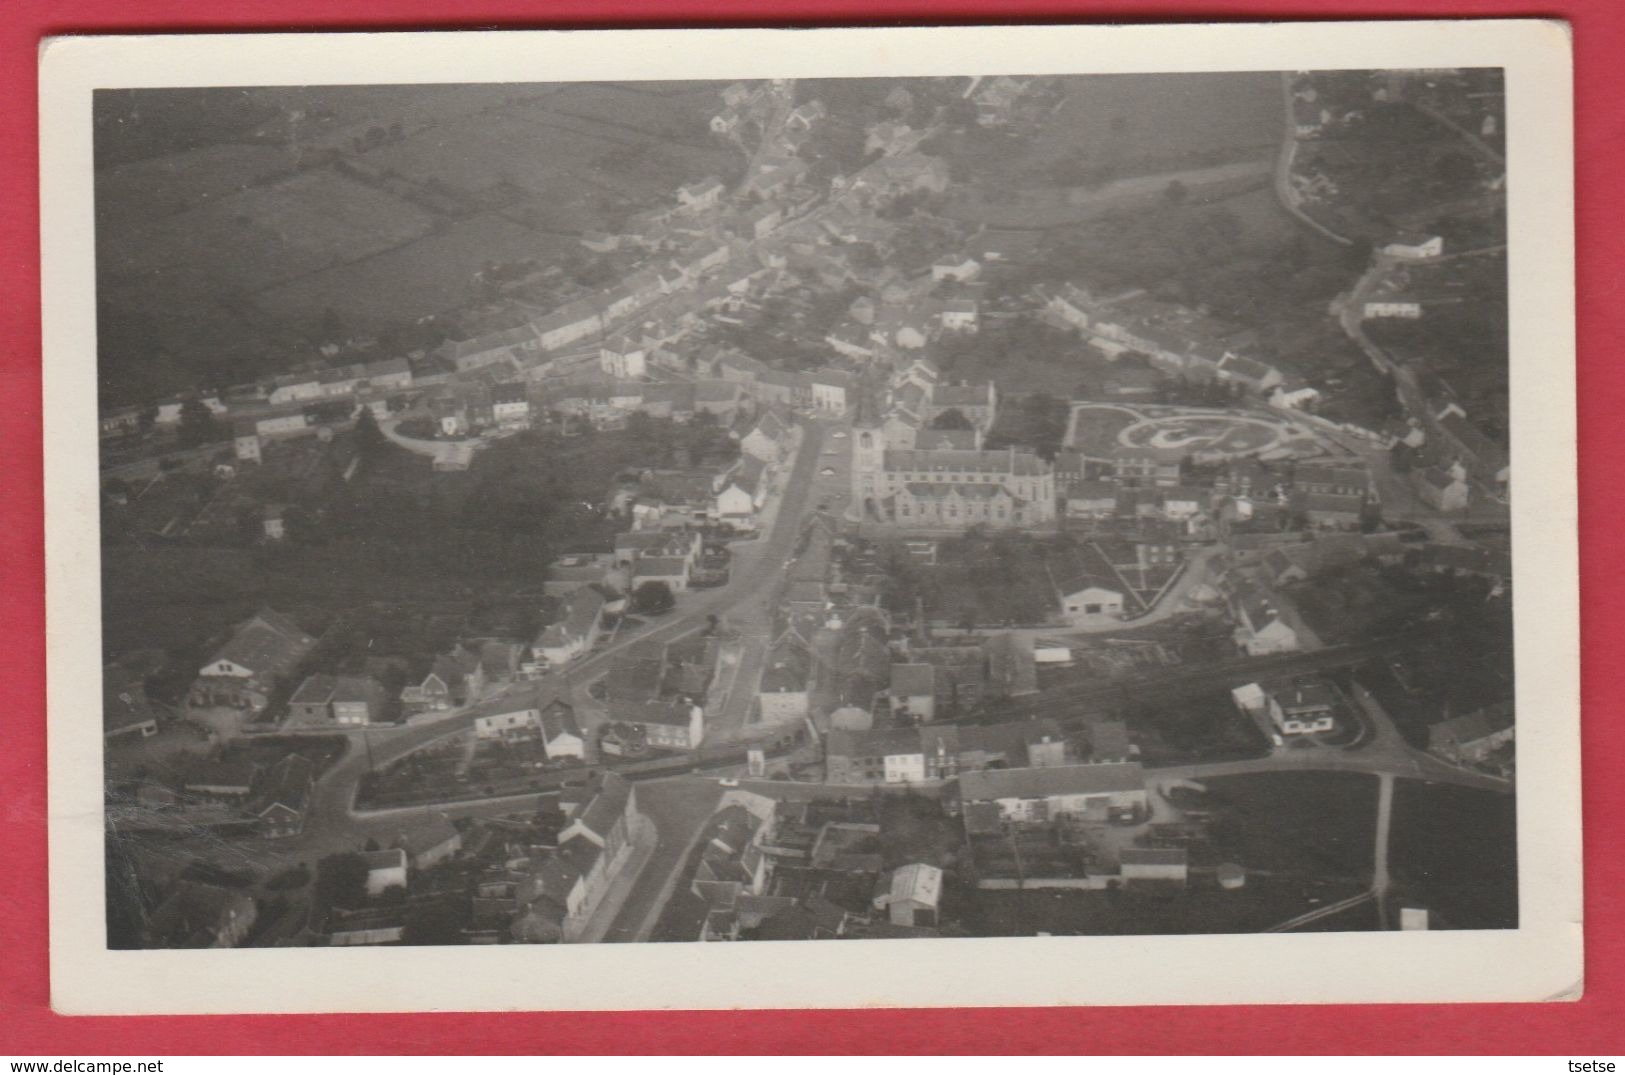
1283, 170
680, 809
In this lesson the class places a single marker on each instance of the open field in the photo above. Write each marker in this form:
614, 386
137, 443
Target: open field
1297, 824
1121, 125
163, 186
1134, 117
331, 117
1455, 852
260, 237
234, 215
430, 276
1202, 907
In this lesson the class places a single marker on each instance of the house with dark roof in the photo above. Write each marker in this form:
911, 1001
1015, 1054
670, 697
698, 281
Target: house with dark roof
455, 678
786, 680
1109, 741
979, 402
432, 842
127, 711
196, 915
667, 723
938, 751
225, 778
574, 631
348, 701
768, 439
1440, 489
1260, 628
260, 653
913, 691
1463, 442
741, 492
1092, 792
283, 797
1473, 737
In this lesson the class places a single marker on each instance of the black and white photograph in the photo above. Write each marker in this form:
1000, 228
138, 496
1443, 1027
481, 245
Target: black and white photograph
704, 511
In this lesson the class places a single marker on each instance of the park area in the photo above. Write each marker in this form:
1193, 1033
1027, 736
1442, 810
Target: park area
1100, 429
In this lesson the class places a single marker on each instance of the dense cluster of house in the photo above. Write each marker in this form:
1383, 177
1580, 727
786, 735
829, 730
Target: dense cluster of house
1176, 339
771, 870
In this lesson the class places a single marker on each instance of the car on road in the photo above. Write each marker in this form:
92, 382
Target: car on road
727, 782
828, 472
839, 434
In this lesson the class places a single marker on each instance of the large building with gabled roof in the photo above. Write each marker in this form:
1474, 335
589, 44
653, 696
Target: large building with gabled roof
261, 652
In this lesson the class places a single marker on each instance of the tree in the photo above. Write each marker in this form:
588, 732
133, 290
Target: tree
341, 880
369, 439
332, 327
952, 418
653, 598
197, 424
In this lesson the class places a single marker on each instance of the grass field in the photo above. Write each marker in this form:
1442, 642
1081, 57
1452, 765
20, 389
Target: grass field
430, 276
1319, 825
260, 237
1137, 124
222, 228
162, 186
1455, 852
977, 581
1203, 907
1095, 428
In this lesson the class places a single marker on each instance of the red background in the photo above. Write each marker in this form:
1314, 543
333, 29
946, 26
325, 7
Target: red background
27, 1025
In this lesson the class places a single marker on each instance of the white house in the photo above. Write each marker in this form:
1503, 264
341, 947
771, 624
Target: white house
560, 733
913, 895
958, 315
385, 870
623, 360
506, 721
701, 195
830, 391
955, 267
1083, 605
576, 629
1415, 246
1406, 309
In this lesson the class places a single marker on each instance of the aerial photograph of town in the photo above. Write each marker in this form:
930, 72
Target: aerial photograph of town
805, 509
